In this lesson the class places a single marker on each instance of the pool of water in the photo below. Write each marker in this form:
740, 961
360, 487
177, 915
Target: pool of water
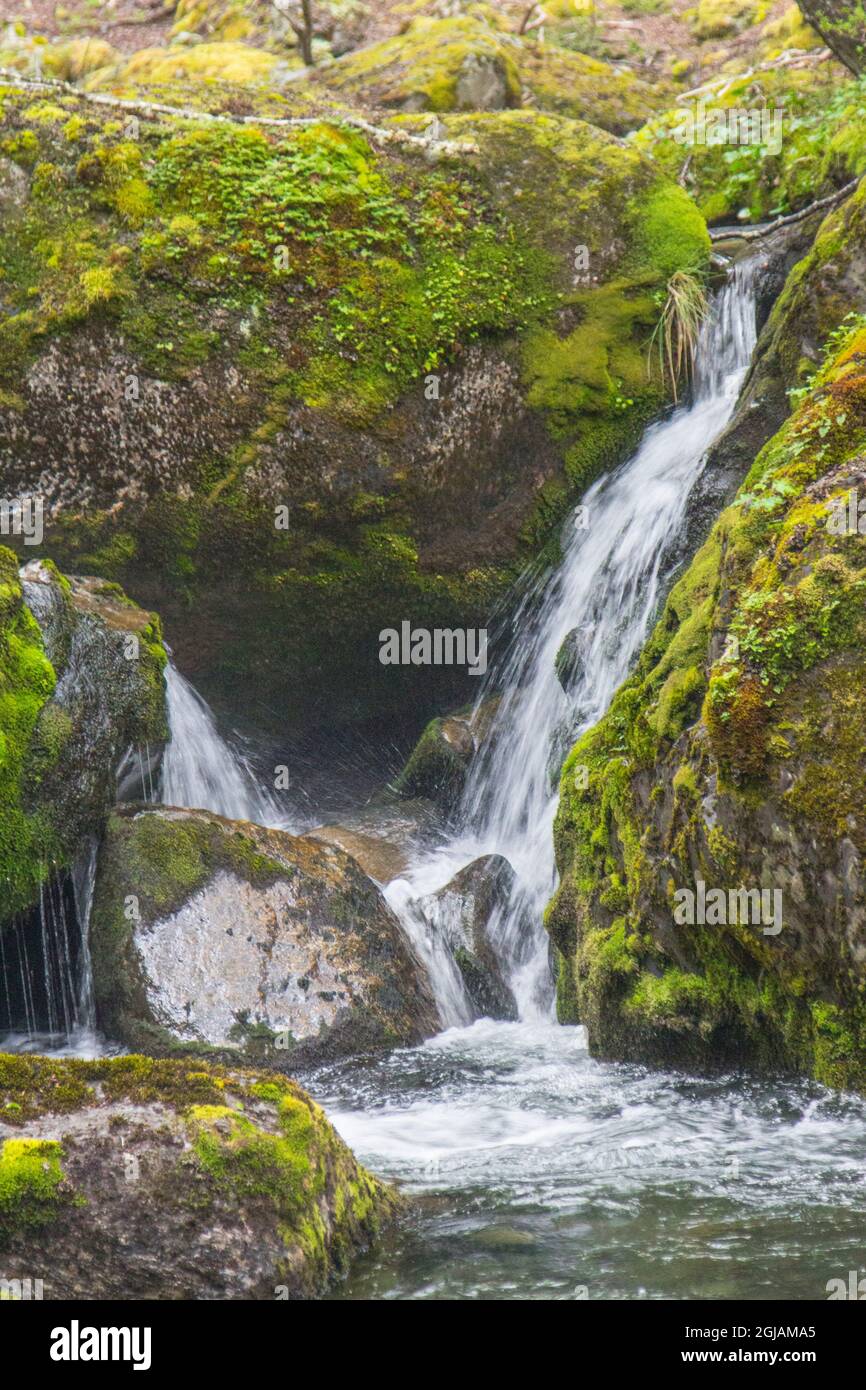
539, 1173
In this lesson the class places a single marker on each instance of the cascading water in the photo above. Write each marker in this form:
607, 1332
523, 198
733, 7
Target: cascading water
556, 1176
201, 771
47, 1002
616, 563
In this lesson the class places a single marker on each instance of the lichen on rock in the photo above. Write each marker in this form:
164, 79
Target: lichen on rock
132, 1178
219, 938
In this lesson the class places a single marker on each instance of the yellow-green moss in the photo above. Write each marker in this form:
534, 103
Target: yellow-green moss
31, 1182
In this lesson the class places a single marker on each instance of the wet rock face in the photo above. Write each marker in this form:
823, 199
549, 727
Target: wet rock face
570, 659
796, 312
219, 936
385, 836
81, 675
109, 697
439, 763
468, 911
135, 1179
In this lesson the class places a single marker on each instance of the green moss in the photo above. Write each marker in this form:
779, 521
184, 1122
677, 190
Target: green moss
31, 1184
671, 232
822, 144
778, 708
27, 681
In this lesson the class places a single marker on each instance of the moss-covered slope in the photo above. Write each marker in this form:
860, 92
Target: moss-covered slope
735, 758
754, 145
296, 376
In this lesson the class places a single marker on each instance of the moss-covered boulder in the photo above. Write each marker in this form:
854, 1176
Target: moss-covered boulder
712, 907
218, 938
842, 25
439, 763
287, 379
476, 62
80, 683
129, 1178
754, 146
465, 63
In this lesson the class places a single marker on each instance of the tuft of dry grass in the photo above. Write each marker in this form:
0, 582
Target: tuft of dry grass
676, 333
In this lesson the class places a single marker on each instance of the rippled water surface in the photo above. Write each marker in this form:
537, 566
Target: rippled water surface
538, 1173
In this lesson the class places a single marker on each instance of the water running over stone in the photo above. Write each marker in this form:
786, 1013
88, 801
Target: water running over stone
618, 551
47, 1003
201, 771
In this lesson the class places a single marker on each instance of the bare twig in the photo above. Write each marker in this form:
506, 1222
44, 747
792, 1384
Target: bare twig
526, 18
752, 233
155, 108
794, 58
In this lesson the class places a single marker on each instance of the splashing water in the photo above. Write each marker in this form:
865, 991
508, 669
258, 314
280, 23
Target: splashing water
46, 971
201, 771
616, 565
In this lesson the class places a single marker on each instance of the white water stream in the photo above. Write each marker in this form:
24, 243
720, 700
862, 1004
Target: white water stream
201, 771
617, 554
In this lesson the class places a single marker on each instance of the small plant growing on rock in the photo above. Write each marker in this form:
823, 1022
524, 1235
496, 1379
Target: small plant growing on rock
676, 333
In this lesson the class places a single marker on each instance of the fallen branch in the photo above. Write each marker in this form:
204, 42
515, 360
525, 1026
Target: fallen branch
154, 108
794, 58
752, 233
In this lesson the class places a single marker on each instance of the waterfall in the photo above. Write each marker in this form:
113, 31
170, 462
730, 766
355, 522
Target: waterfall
618, 553
199, 768
46, 1002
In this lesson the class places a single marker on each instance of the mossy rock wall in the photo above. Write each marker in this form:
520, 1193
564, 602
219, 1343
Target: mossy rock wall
210, 326
80, 682
129, 1178
734, 757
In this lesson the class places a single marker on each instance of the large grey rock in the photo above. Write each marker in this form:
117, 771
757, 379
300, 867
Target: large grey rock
223, 938
14, 187
482, 84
